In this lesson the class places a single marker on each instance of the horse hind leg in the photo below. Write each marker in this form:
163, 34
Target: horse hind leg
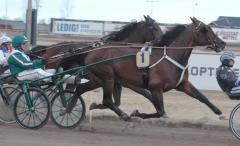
70, 87
157, 101
190, 90
117, 95
108, 101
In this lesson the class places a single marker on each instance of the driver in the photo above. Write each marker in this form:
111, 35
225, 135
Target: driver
20, 64
24, 69
226, 78
5, 50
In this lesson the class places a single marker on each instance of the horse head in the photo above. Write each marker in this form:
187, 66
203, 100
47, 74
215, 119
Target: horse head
203, 35
136, 32
151, 23
152, 27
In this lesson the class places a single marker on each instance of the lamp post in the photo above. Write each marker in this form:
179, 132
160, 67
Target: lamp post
6, 11
29, 21
194, 8
152, 2
34, 27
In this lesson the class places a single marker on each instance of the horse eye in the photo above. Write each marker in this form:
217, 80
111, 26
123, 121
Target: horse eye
204, 30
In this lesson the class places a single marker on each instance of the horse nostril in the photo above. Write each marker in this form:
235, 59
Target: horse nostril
224, 43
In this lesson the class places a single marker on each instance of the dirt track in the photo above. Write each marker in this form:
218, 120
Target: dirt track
180, 108
190, 123
115, 133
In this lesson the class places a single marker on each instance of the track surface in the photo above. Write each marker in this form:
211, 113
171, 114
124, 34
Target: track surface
115, 133
190, 123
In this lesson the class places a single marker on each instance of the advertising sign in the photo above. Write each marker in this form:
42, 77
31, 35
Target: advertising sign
202, 70
77, 27
230, 36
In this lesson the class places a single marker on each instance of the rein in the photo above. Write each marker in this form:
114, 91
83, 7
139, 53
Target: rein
72, 53
75, 52
53, 46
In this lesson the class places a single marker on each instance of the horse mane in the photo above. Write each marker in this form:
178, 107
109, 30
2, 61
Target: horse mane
170, 36
122, 33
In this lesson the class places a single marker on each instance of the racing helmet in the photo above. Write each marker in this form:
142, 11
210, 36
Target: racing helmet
18, 39
5, 39
227, 55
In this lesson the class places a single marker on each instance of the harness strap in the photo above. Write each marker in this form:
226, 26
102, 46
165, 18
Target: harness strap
181, 77
174, 62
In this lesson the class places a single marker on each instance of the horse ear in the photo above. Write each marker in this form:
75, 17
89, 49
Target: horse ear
194, 20
145, 17
149, 18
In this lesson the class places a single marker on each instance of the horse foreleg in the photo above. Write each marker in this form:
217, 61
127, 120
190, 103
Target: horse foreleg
108, 101
117, 92
157, 101
190, 90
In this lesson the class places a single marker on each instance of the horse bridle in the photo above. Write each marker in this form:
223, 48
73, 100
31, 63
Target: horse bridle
209, 40
152, 24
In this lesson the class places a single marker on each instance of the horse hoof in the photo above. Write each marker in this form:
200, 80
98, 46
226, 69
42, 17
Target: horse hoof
218, 112
222, 117
92, 106
165, 116
135, 113
125, 117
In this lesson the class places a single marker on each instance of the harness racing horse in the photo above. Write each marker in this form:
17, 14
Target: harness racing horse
135, 32
168, 67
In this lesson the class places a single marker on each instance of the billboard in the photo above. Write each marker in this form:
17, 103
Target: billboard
85, 27
229, 35
77, 27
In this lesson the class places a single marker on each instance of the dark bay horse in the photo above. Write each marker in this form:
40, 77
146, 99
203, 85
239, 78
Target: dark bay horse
135, 32
164, 73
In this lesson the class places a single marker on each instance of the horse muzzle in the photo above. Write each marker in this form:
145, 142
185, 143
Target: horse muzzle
218, 47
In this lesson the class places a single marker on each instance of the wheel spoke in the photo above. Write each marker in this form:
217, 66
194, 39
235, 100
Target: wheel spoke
38, 115
58, 106
70, 119
22, 112
75, 115
29, 119
62, 119
58, 116
24, 117
39, 119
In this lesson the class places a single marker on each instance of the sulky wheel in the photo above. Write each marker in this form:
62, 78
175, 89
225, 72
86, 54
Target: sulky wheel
234, 121
33, 112
64, 116
7, 103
